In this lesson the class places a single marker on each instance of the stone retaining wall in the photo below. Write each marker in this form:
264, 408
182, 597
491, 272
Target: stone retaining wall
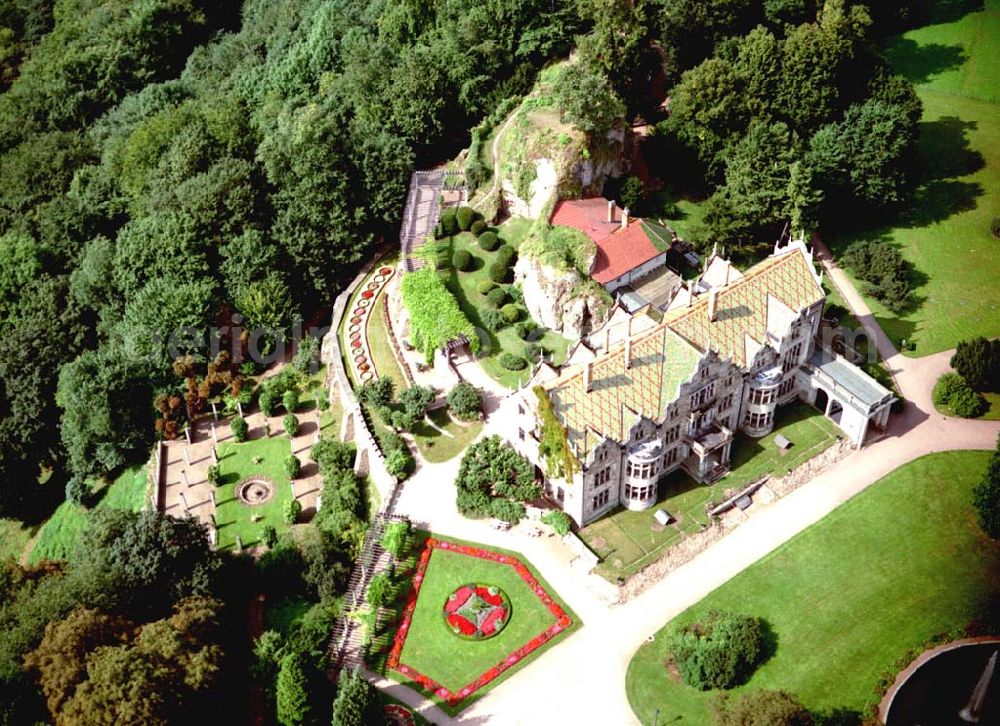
693, 544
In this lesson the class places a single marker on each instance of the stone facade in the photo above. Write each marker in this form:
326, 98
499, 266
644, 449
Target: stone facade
699, 401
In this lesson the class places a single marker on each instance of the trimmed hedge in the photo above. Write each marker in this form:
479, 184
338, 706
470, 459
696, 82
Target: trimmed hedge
492, 320
498, 272
496, 297
525, 328
512, 362
478, 227
461, 260
506, 255
489, 241
449, 222
485, 286
435, 317
465, 216
510, 313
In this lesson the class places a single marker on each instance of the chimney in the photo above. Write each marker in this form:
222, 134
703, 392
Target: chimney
625, 218
690, 291
588, 376
628, 351
630, 318
713, 303
611, 211
607, 338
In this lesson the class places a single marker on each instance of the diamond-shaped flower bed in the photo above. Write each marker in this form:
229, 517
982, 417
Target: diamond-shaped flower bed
502, 618
477, 611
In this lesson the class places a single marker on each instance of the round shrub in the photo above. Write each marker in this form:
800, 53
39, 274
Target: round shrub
270, 536
461, 260
559, 521
396, 462
214, 474
967, 403
449, 223
291, 424
510, 313
947, 386
478, 227
240, 428
465, 400
290, 400
266, 402
513, 362
496, 296
506, 255
721, 651
498, 273
492, 320
489, 241
485, 286
438, 231
526, 328
763, 708
534, 352
293, 467
465, 216
291, 511
995, 227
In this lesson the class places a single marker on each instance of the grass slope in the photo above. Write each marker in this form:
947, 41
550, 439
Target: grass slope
946, 232
62, 532
436, 446
901, 562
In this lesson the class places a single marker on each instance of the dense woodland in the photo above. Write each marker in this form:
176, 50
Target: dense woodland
172, 163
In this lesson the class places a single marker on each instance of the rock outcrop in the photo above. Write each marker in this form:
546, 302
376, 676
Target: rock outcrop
561, 300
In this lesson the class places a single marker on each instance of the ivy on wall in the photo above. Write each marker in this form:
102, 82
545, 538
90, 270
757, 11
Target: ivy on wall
554, 445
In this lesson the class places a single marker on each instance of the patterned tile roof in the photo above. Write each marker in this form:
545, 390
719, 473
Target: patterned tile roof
666, 356
661, 362
742, 305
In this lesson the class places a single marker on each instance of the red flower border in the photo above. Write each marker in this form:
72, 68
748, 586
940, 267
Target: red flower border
563, 621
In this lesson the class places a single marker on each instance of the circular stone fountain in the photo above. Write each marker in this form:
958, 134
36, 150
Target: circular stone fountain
255, 490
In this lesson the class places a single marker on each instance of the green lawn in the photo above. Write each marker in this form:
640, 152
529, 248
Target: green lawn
945, 234
464, 286
236, 462
61, 533
851, 595
434, 650
435, 446
627, 541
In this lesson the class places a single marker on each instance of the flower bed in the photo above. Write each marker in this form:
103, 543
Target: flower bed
398, 715
357, 330
476, 611
453, 698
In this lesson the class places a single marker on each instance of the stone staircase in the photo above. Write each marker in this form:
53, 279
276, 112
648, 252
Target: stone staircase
345, 648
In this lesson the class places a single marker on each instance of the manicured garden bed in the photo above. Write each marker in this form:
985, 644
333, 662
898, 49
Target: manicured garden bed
236, 463
627, 541
456, 669
464, 285
849, 597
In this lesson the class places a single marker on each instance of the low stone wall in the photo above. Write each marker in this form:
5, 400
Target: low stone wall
579, 548
690, 546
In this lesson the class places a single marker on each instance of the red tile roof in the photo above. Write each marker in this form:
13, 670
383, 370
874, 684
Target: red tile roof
618, 250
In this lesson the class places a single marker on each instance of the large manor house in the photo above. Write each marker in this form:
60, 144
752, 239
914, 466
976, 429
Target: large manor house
655, 390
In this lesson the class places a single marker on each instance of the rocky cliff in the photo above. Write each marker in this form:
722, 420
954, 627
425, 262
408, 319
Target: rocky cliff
562, 300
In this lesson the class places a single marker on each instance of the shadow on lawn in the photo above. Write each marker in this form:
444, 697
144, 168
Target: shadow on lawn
920, 62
